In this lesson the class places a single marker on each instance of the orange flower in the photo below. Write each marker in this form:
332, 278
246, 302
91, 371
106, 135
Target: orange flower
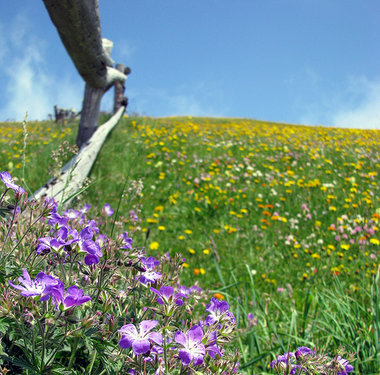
265, 221
218, 296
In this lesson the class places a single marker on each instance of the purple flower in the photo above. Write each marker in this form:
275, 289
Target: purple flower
93, 252
211, 347
9, 183
85, 209
61, 239
149, 275
218, 312
166, 296
133, 216
294, 369
302, 351
94, 226
252, 321
54, 218
71, 214
108, 210
193, 349
127, 241
283, 360
102, 239
140, 340
71, 298
87, 245
50, 204
345, 366
40, 286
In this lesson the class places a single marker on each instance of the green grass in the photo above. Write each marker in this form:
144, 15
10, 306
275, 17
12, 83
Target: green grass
256, 209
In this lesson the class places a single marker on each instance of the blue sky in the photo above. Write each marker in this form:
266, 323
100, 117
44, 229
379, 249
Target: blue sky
294, 61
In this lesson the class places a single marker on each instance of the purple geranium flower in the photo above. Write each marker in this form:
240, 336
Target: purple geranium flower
193, 349
345, 366
50, 204
9, 183
127, 241
283, 360
64, 237
166, 296
211, 345
85, 208
56, 219
218, 312
94, 226
69, 299
302, 351
71, 214
108, 210
149, 275
295, 368
40, 286
140, 340
185, 291
87, 245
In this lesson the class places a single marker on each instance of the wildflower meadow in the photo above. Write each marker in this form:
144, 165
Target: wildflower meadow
198, 246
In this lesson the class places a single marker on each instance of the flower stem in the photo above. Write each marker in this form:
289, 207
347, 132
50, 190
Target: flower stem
92, 362
73, 352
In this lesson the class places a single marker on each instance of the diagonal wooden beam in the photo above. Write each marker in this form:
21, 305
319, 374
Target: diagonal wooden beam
77, 169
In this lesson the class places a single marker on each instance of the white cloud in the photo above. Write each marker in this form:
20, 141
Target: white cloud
363, 109
356, 104
29, 86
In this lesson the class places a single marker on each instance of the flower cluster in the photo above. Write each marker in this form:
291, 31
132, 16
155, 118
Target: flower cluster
45, 286
63, 237
192, 347
307, 361
62, 300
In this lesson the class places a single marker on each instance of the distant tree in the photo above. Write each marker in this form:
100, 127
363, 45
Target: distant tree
78, 25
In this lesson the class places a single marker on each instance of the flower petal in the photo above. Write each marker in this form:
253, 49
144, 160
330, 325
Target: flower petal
180, 338
185, 356
156, 337
195, 335
125, 342
146, 326
166, 292
141, 346
129, 330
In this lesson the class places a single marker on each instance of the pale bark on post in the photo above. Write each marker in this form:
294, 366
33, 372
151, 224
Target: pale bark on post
64, 188
78, 25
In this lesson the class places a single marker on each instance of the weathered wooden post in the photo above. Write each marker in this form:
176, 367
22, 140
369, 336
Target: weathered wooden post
119, 98
78, 25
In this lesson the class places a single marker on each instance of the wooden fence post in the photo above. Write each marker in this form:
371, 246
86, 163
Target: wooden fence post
90, 114
119, 98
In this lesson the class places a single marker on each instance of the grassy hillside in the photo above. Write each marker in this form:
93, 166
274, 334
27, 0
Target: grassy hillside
280, 220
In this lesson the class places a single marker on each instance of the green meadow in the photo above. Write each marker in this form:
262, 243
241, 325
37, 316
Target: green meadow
281, 221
